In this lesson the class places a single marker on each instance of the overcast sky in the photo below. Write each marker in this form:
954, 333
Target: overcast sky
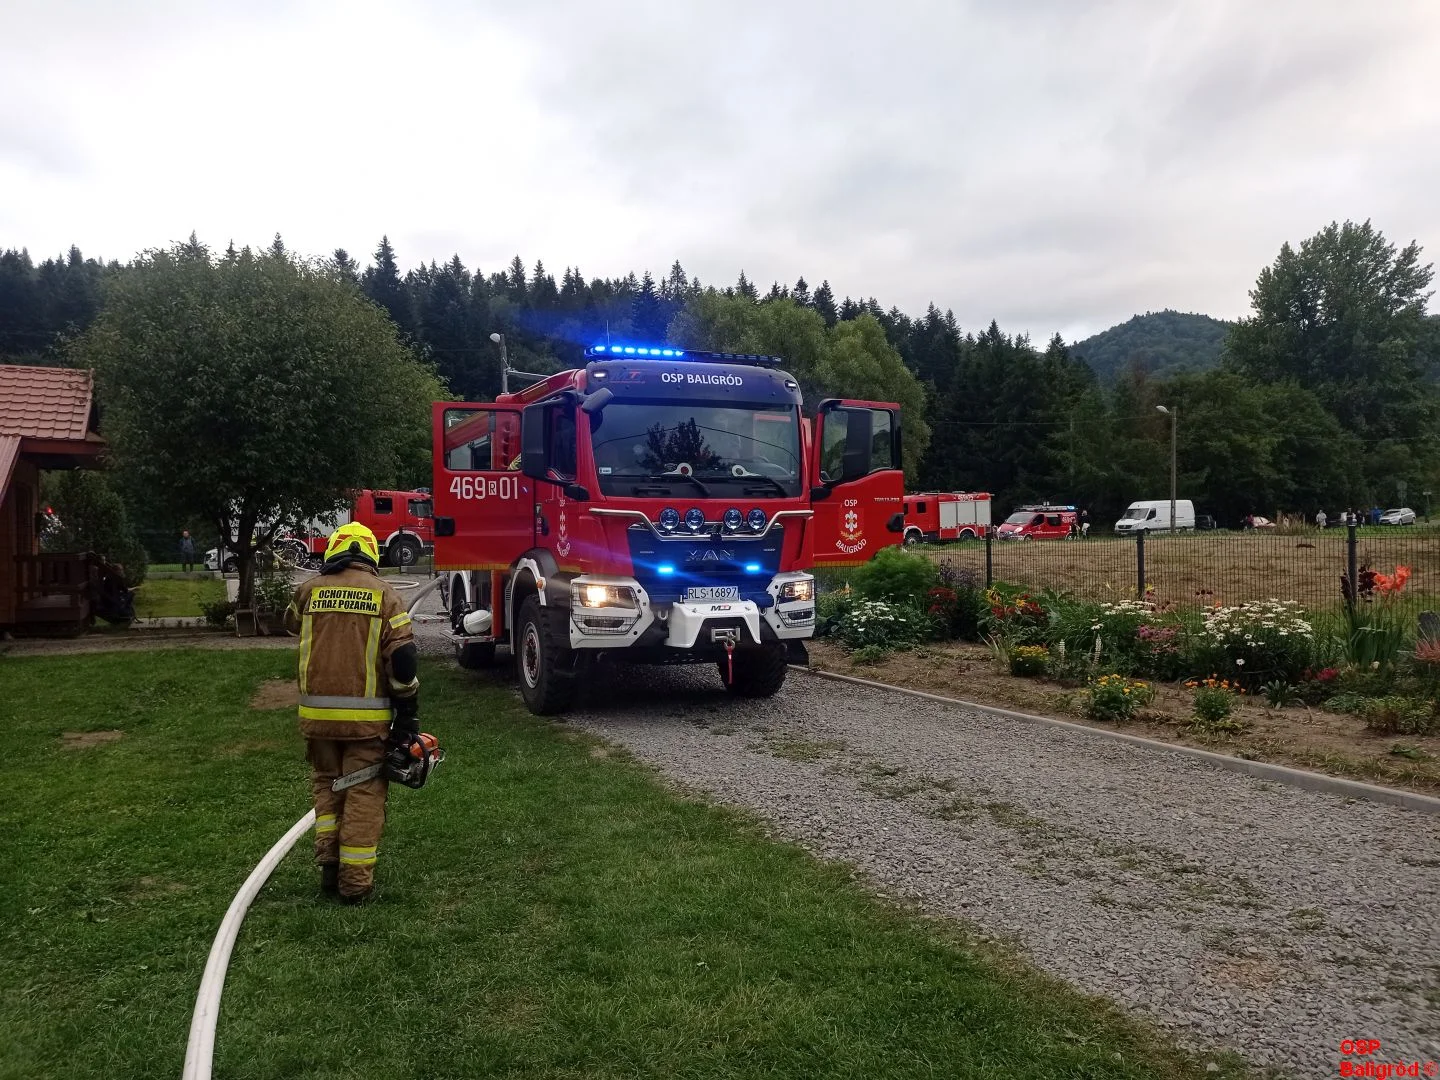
1053, 164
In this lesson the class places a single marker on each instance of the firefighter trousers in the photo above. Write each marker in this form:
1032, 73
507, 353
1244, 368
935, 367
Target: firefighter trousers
348, 823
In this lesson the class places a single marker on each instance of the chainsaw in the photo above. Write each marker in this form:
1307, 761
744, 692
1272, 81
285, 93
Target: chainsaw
409, 760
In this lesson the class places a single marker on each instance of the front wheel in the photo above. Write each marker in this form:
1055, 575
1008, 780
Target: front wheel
543, 662
758, 673
404, 552
912, 538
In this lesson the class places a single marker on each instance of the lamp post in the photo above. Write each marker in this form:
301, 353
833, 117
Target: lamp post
1174, 414
499, 339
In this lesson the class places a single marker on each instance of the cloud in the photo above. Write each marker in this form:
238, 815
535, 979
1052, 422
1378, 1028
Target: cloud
1051, 165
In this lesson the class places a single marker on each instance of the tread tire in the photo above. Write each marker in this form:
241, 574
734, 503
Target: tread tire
759, 673
536, 645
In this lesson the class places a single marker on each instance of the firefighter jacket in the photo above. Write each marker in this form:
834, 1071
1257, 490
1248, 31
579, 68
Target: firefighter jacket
350, 623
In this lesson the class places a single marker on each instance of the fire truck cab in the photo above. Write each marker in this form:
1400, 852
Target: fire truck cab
660, 505
400, 520
937, 516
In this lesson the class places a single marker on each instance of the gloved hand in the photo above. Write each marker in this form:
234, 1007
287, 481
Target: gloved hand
407, 714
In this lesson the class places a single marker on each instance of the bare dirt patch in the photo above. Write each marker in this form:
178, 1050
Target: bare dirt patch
1297, 736
83, 740
154, 888
276, 694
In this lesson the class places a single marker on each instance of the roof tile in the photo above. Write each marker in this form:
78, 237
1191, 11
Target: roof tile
44, 402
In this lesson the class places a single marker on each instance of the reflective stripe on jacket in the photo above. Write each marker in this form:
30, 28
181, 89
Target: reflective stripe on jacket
350, 623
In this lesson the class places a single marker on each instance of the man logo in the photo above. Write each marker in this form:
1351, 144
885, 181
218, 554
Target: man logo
710, 555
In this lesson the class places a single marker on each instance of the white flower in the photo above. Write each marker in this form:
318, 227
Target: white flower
1239, 663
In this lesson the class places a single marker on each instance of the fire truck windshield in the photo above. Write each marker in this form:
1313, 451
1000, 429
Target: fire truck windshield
642, 446
1022, 517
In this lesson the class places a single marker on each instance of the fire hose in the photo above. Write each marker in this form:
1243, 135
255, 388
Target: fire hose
200, 1051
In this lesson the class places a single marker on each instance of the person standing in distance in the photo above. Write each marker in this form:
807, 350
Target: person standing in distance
187, 551
357, 680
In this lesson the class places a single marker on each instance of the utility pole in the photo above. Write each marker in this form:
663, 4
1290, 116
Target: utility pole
499, 339
1174, 413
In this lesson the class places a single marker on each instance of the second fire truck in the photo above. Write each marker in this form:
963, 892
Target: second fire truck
660, 505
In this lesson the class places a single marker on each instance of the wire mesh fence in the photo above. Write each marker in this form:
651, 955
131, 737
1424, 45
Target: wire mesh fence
1206, 568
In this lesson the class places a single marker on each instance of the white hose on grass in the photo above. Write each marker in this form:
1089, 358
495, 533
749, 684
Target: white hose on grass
200, 1052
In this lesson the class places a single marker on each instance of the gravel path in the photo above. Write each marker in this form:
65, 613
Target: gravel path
1236, 912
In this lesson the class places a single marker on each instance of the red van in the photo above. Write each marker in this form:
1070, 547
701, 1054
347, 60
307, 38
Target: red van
1039, 523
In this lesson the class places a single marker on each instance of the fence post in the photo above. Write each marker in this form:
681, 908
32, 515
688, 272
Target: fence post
989, 563
1352, 555
1140, 563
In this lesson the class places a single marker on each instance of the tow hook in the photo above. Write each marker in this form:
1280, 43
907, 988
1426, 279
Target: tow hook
729, 661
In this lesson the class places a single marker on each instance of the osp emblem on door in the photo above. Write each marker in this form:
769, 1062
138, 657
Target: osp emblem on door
851, 530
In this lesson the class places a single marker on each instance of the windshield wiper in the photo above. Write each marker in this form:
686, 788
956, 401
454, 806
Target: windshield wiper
780, 489
704, 491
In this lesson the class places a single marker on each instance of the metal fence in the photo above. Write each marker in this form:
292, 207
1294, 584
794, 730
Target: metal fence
1204, 568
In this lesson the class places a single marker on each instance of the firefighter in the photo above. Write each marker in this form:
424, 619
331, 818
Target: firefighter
357, 679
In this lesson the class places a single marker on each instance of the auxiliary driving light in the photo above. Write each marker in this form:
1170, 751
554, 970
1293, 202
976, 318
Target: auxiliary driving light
694, 519
669, 519
756, 519
733, 519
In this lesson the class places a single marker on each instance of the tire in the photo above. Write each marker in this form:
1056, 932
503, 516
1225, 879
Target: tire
966, 534
912, 537
231, 565
403, 552
759, 673
542, 662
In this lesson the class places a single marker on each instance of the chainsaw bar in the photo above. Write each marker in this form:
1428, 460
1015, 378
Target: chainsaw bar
359, 776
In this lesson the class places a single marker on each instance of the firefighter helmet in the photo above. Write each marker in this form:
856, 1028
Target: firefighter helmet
353, 539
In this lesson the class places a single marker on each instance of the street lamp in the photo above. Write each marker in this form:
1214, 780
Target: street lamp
1174, 414
499, 339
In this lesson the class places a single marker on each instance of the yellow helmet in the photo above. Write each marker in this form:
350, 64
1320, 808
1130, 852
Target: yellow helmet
353, 538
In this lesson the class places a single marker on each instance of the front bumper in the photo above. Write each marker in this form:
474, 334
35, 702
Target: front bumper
690, 624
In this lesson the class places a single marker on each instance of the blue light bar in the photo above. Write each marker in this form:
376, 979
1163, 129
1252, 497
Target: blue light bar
752, 567
665, 568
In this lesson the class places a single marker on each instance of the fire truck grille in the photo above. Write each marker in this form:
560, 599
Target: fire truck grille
666, 568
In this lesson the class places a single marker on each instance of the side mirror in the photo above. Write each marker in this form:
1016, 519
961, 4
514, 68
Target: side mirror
593, 403
534, 461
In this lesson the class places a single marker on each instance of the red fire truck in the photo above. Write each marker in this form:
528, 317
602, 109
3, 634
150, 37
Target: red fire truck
935, 516
400, 520
659, 505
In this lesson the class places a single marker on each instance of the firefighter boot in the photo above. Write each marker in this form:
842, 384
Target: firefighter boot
330, 878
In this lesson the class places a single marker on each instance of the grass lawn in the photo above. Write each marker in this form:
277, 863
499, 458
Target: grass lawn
545, 910
171, 597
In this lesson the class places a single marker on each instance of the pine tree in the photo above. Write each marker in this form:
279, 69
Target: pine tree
277, 246
646, 313
801, 293
346, 268
744, 288
824, 303
382, 284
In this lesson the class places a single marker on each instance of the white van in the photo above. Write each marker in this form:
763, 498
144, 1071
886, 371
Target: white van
1154, 514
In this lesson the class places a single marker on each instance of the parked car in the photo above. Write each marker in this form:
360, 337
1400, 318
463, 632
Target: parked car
1039, 523
212, 561
1403, 516
1255, 521
1205, 522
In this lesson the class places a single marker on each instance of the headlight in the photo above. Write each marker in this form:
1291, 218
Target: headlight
600, 596
803, 589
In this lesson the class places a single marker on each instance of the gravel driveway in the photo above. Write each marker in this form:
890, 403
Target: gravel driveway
1238, 913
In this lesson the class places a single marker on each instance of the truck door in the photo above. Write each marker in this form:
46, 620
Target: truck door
857, 483
484, 507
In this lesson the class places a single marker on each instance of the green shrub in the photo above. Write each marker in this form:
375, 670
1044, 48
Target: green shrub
870, 654
218, 612
830, 608
1396, 715
1013, 616
896, 576
1278, 693
272, 593
957, 603
1112, 698
1029, 660
879, 622
1214, 704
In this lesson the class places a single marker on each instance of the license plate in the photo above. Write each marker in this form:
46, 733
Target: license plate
713, 592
